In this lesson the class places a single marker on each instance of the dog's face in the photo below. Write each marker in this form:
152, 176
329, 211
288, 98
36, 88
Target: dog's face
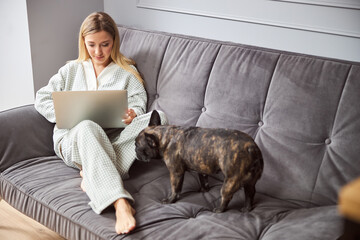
147, 143
146, 146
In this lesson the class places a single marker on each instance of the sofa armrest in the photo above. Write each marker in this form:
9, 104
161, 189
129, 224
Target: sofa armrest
24, 134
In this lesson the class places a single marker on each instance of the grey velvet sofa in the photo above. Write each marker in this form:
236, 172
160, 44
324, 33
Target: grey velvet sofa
301, 110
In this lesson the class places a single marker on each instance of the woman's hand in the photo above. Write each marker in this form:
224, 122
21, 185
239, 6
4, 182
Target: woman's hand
130, 115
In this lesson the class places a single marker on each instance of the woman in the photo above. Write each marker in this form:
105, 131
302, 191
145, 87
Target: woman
104, 157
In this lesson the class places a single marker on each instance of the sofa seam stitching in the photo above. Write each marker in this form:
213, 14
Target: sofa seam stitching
208, 78
331, 131
267, 93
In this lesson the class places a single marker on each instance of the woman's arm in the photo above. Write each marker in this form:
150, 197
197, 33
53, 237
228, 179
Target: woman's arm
44, 103
137, 98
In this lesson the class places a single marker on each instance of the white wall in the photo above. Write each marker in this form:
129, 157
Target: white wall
28, 63
37, 38
329, 28
16, 84
54, 28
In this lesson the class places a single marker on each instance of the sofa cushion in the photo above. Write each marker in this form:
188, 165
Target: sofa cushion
29, 136
55, 199
147, 50
311, 223
295, 106
237, 89
300, 110
341, 162
180, 91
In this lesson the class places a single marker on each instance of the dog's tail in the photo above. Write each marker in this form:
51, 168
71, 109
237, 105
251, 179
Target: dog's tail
257, 163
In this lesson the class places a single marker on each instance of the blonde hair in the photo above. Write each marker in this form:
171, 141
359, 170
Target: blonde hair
100, 21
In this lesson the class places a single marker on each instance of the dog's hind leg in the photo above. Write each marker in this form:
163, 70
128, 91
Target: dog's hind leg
230, 186
249, 189
204, 182
176, 181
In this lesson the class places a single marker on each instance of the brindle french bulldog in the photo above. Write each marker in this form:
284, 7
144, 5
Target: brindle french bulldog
206, 151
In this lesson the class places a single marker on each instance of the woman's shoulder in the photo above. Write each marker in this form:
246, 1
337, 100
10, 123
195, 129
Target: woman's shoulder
70, 66
134, 68
122, 70
73, 64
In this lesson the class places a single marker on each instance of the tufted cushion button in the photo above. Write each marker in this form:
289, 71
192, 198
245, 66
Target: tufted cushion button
260, 123
327, 141
203, 109
156, 95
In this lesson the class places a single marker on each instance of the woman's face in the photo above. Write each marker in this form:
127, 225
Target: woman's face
99, 46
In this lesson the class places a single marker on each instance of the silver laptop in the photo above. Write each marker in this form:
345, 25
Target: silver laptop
107, 108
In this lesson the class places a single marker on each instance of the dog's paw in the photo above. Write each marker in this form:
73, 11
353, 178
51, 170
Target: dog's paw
218, 210
171, 199
246, 209
205, 189
165, 201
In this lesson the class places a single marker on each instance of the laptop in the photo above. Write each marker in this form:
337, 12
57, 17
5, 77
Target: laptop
105, 107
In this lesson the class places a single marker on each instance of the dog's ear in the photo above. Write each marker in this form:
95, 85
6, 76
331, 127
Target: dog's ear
155, 119
151, 140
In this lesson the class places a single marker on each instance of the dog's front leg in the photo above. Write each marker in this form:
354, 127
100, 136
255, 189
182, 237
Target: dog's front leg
176, 181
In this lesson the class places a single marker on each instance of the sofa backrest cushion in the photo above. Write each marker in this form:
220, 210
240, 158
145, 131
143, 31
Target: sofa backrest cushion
29, 137
301, 110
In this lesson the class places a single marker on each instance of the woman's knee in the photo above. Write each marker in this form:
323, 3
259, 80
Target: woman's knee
87, 129
87, 123
87, 126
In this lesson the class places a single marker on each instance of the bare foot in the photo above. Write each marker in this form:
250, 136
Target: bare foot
82, 181
125, 221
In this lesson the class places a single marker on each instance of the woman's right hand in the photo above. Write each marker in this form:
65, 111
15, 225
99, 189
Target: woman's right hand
129, 117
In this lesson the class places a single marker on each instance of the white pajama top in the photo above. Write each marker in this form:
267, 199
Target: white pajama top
80, 76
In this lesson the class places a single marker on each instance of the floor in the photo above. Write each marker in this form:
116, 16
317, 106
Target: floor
15, 225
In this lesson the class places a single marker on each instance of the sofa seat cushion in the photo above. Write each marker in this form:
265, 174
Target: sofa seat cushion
312, 223
54, 198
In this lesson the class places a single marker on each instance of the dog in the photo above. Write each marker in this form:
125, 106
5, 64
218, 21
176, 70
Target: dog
206, 151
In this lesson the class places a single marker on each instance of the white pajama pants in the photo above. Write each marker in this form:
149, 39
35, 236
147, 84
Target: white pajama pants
105, 158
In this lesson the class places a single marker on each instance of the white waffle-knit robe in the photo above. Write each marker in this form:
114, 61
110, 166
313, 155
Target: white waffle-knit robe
105, 157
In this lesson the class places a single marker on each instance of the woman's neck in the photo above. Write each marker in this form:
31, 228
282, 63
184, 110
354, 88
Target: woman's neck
99, 67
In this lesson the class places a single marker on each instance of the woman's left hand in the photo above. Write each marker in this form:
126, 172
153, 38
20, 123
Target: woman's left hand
130, 115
